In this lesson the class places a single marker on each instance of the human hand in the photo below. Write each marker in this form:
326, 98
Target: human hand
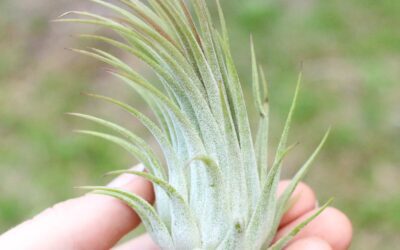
99, 222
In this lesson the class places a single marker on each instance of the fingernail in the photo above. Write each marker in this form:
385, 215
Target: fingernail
125, 179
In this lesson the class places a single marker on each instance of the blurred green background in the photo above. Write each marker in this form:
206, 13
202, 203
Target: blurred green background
350, 51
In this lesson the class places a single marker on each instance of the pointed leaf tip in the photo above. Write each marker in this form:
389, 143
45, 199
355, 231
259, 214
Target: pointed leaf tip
65, 14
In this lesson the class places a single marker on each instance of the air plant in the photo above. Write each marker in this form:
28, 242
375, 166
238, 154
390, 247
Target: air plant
214, 188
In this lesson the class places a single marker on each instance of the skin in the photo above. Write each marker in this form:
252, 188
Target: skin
99, 222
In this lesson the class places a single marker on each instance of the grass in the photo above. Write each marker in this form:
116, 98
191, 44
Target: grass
351, 55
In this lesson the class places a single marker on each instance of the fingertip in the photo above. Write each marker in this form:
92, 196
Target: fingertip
95, 216
341, 229
141, 187
331, 225
311, 243
304, 201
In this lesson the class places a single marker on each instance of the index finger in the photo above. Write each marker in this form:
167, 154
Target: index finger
89, 222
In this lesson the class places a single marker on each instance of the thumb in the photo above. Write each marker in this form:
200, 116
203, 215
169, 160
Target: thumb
88, 222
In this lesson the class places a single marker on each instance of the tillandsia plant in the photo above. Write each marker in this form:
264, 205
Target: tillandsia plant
214, 188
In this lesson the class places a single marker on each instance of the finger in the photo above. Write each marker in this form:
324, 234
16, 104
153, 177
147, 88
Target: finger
143, 242
311, 243
303, 199
89, 222
331, 226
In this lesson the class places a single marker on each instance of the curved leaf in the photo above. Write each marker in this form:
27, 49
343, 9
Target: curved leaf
184, 227
154, 226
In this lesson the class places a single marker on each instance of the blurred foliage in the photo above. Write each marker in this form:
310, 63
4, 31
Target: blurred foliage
350, 52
